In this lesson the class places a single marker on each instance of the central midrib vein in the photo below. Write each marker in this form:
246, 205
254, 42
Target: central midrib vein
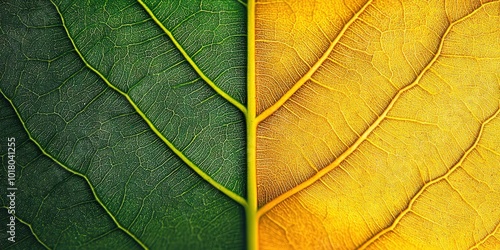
250, 204
187, 161
251, 123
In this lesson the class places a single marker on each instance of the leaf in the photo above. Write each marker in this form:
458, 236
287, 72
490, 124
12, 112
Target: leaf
275, 124
113, 122
381, 123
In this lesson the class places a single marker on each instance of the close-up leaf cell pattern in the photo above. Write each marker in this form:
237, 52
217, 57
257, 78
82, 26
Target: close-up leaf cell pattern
259, 124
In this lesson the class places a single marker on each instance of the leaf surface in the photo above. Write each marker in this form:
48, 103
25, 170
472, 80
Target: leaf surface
263, 124
116, 114
379, 128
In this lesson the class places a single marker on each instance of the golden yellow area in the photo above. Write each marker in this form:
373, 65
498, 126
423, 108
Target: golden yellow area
379, 124
290, 38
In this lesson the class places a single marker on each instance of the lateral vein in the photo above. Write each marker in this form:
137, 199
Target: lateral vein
188, 58
432, 182
172, 147
489, 235
363, 136
273, 108
32, 231
73, 172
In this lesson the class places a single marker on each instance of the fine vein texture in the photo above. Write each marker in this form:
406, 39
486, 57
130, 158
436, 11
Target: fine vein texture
388, 139
260, 124
124, 118
55, 201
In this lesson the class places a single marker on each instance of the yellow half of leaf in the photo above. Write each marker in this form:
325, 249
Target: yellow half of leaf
379, 124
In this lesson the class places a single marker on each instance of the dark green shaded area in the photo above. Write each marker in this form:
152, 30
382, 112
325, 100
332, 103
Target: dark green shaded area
58, 205
24, 238
91, 129
213, 33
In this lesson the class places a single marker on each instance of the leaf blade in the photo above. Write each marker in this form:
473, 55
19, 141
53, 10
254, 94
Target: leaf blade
90, 127
305, 204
